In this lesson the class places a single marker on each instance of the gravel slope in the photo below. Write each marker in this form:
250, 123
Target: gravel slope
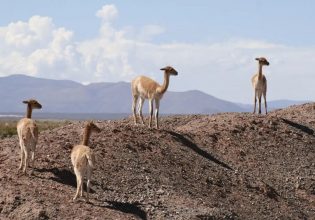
225, 166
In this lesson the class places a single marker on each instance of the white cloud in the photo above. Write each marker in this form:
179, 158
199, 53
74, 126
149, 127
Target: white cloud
107, 13
39, 48
150, 31
27, 36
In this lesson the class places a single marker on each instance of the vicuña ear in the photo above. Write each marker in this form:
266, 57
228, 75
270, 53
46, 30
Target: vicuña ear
162, 69
25, 102
257, 59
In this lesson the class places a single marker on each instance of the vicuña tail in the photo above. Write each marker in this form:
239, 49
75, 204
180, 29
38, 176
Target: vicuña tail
32, 132
91, 159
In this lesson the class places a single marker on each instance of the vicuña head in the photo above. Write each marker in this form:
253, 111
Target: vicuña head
83, 160
92, 127
259, 83
89, 128
262, 61
31, 104
143, 87
170, 70
28, 135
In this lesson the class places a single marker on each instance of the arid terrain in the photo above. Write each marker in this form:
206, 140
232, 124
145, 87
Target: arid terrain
224, 166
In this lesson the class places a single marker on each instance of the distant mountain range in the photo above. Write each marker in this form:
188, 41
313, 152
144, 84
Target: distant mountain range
65, 96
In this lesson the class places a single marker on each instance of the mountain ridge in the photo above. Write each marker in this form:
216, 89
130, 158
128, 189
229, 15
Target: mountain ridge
68, 96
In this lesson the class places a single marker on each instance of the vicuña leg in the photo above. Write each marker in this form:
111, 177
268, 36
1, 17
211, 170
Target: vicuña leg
89, 174
26, 159
22, 155
79, 180
151, 112
259, 104
141, 101
157, 107
265, 102
255, 102
134, 106
33, 161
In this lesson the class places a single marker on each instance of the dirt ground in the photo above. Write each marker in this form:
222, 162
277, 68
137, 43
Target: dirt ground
224, 166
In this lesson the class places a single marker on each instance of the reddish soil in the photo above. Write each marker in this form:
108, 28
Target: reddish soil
225, 166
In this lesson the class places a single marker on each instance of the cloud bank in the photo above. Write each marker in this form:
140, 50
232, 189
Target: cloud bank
38, 47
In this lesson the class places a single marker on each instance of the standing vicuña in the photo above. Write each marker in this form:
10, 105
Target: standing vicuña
83, 160
28, 135
145, 88
259, 83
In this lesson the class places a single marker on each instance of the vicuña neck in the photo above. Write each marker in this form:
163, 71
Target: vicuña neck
165, 83
86, 136
260, 71
29, 111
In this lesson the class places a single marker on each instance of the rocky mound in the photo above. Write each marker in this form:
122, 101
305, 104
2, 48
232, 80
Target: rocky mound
225, 166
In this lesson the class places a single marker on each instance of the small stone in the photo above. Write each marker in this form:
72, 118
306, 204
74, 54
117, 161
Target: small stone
160, 192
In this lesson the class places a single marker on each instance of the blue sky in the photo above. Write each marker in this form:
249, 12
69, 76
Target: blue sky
282, 21
211, 43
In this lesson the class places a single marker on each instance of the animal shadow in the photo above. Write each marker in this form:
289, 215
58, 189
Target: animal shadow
188, 143
303, 128
63, 176
125, 207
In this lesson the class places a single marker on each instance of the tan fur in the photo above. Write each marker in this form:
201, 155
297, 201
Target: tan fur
143, 88
83, 160
28, 135
259, 83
